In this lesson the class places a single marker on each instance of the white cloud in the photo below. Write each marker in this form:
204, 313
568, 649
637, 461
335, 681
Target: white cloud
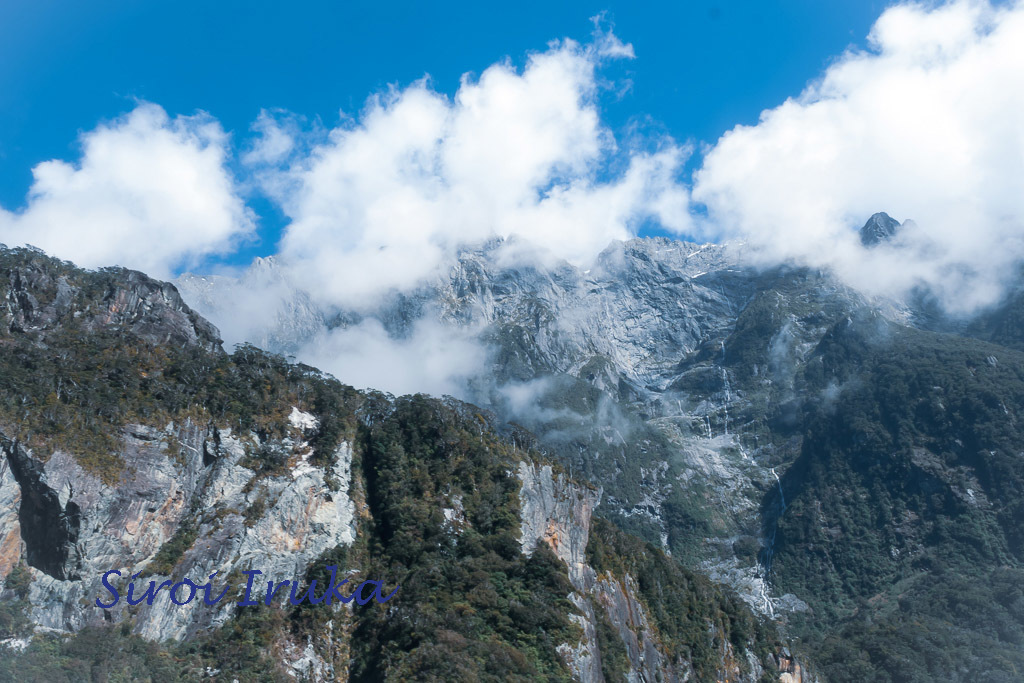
434, 358
276, 133
388, 197
926, 125
149, 192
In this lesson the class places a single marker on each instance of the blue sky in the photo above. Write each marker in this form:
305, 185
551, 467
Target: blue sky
701, 67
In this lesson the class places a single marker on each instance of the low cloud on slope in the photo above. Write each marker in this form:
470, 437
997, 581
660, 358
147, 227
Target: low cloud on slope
434, 358
926, 125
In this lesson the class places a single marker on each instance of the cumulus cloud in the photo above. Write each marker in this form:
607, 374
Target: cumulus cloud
925, 124
148, 192
390, 195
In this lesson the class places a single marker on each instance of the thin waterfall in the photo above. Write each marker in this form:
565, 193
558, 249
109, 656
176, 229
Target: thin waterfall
782, 496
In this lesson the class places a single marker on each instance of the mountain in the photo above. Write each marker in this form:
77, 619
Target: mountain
637, 374
848, 465
900, 521
880, 227
132, 442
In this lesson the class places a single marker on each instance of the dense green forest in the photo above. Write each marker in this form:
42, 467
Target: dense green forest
904, 517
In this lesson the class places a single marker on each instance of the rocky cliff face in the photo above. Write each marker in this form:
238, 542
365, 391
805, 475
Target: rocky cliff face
39, 299
557, 512
72, 528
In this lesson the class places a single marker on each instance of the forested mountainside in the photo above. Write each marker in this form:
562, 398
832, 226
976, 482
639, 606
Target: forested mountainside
850, 466
902, 519
131, 441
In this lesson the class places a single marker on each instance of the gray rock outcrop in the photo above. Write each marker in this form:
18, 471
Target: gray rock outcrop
72, 528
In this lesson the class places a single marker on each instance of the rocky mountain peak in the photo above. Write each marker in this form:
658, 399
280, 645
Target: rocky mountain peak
42, 294
880, 227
